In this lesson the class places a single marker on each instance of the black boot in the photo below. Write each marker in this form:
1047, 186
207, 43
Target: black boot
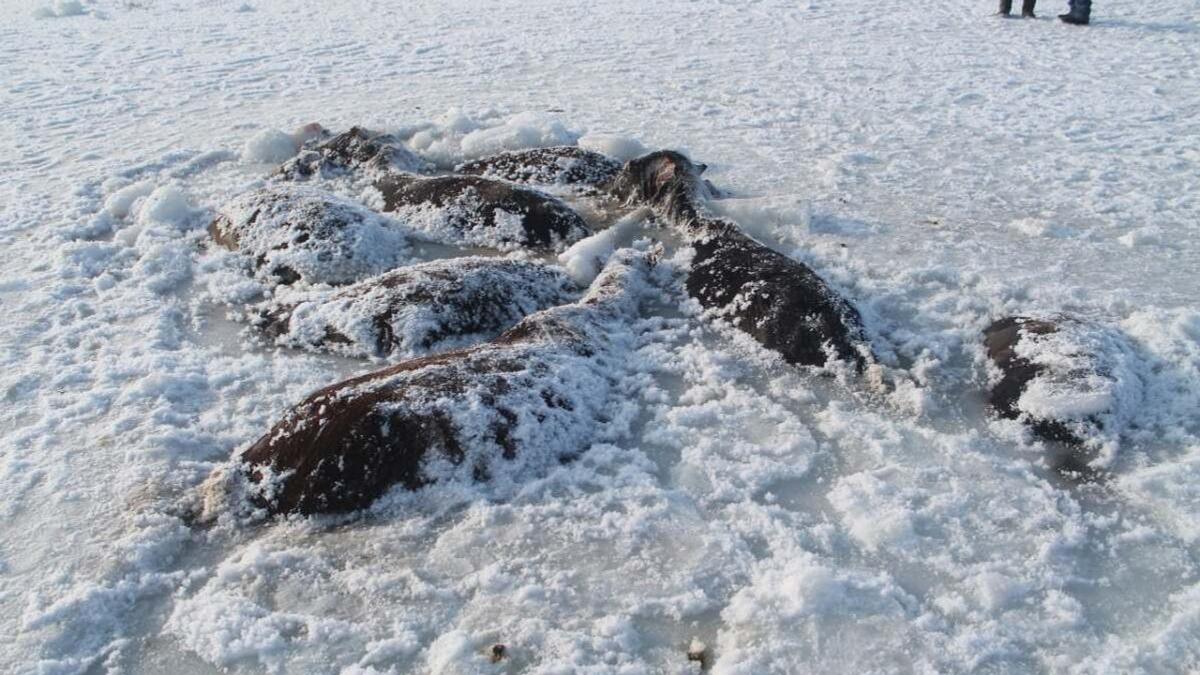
1080, 13
1027, 9
1005, 7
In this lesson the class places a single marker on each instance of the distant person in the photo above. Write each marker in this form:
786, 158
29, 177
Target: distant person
1026, 8
1079, 14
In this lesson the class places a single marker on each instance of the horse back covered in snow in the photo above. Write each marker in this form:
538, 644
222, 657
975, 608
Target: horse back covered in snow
780, 302
1069, 380
517, 405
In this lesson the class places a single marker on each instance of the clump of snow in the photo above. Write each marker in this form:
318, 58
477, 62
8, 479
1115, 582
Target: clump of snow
61, 8
617, 146
873, 509
584, 259
120, 203
168, 205
270, 146
1142, 236
455, 137
1037, 227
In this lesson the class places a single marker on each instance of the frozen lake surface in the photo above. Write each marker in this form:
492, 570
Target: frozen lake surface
940, 166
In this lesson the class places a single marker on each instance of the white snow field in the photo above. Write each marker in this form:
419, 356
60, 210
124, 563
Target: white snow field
940, 166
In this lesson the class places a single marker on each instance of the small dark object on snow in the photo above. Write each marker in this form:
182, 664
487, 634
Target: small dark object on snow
561, 165
698, 653
497, 653
471, 203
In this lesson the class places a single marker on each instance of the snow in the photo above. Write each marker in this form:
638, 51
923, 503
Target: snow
270, 146
584, 259
60, 8
617, 146
940, 167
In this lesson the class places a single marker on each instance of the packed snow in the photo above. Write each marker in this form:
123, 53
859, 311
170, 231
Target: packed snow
940, 167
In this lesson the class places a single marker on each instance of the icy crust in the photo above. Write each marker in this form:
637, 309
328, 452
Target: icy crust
474, 211
302, 233
561, 165
507, 410
1069, 379
429, 307
349, 151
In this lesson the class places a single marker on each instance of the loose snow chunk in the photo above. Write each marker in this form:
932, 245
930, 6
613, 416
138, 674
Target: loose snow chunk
297, 232
616, 146
457, 652
873, 510
168, 205
455, 137
61, 8
585, 258
270, 146
120, 203
523, 131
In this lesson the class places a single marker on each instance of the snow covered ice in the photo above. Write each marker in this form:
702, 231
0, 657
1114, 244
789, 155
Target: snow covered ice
940, 167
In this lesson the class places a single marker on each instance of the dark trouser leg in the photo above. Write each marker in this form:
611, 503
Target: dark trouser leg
1027, 8
1080, 14
1005, 7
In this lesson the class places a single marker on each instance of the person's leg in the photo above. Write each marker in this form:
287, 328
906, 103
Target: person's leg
1027, 9
1005, 7
1080, 13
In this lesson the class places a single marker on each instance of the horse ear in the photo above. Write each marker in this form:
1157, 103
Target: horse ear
701, 168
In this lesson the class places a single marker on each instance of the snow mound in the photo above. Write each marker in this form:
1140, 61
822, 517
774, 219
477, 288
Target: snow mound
270, 146
617, 146
455, 137
60, 8
120, 203
586, 257
168, 205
